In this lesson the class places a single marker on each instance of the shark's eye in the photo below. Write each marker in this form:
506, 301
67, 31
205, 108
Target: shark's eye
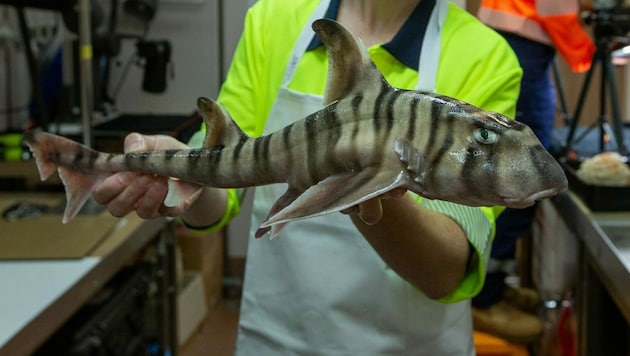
485, 136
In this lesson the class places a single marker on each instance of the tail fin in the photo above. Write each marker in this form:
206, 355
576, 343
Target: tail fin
78, 186
39, 149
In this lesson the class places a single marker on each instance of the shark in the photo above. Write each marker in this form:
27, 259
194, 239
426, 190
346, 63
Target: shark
368, 139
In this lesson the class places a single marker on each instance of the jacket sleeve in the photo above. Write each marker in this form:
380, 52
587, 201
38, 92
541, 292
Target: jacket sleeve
568, 37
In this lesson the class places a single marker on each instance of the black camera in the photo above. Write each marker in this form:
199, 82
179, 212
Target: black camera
157, 57
610, 18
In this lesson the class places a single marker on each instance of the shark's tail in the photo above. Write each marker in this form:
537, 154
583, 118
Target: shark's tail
78, 185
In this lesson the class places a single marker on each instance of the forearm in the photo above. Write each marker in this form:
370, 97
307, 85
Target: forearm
426, 248
207, 209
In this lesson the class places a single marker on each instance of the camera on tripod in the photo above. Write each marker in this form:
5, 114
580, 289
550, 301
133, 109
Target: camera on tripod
610, 20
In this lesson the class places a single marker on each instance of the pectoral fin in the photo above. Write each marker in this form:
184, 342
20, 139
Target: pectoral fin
285, 200
337, 193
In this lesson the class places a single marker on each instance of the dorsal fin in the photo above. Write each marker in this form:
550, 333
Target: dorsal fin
220, 128
349, 64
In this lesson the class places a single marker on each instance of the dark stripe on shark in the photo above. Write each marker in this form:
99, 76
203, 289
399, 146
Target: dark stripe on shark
413, 117
447, 140
169, 154
92, 159
286, 144
132, 159
324, 122
239, 147
356, 104
356, 112
204, 160
491, 165
333, 135
78, 157
378, 103
194, 157
478, 159
468, 170
356, 124
542, 170
434, 117
256, 152
286, 136
390, 108
83, 159
264, 163
310, 129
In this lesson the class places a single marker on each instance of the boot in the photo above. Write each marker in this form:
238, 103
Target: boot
507, 322
525, 299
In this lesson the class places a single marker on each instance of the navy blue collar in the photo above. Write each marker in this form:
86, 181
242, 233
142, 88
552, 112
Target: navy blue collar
407, 43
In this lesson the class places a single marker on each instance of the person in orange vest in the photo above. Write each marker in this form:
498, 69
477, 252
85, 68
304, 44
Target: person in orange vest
536, 30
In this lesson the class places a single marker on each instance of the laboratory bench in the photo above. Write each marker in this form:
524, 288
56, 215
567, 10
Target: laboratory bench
46, 284
581, 268
50, 271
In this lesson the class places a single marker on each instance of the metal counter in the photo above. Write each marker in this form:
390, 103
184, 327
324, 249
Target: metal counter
602, 284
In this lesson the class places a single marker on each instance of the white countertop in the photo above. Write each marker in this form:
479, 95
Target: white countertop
28, 287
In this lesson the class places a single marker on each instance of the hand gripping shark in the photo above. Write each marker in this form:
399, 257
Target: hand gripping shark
368, 139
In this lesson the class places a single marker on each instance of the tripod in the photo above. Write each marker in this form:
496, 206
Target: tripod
601, 56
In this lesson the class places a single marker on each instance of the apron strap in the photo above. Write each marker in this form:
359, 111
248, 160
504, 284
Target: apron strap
429, 60
303, 41
429, 55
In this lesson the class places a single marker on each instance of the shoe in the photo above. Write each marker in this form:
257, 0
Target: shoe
525, 299
507, 322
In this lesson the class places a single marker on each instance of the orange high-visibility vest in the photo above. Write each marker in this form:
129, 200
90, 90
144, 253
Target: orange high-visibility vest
552, 22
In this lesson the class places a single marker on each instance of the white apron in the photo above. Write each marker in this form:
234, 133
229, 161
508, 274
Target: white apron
319, 288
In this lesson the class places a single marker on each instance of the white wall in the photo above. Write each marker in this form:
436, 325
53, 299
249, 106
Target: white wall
233, 16
15, 88
192, 27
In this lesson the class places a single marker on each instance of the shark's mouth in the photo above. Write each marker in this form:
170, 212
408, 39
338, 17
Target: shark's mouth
520, 203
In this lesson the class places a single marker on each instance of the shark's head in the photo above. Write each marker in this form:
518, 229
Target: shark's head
488, 159
451, 150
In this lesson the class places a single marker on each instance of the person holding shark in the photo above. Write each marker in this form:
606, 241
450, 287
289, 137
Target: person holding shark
393, 275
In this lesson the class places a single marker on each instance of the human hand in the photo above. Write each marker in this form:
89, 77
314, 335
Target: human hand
125, 192
371, 211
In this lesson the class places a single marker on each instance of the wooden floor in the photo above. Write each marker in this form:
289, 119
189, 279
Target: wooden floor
217, 334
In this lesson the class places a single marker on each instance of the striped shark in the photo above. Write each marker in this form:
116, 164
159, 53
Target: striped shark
368, 139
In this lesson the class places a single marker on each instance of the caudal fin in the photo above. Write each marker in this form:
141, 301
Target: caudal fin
47, 149
78, 187
38, 147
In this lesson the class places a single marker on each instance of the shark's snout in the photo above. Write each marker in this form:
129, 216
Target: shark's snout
538, 187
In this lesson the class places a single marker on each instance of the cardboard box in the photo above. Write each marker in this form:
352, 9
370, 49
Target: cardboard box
42, 235
203, 252
191, 306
